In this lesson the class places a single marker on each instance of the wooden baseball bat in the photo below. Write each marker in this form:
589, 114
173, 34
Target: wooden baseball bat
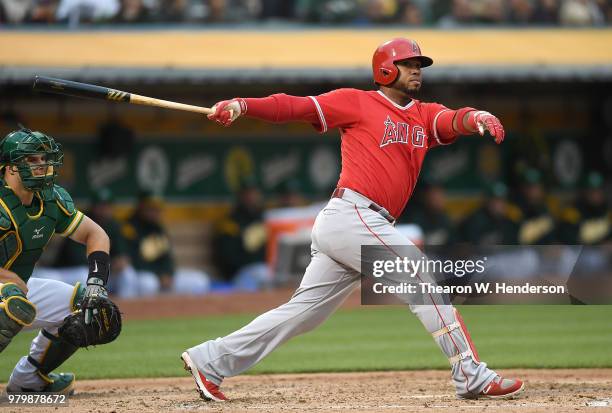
86, 90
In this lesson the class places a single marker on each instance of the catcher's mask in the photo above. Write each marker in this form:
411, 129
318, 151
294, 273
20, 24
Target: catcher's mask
34, 155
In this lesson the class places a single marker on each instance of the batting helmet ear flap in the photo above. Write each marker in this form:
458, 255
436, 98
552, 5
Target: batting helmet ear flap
388, 74
384, 70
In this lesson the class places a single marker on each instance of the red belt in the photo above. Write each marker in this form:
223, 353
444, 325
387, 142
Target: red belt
339, 193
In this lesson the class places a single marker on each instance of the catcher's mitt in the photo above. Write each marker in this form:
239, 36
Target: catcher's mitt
104, 327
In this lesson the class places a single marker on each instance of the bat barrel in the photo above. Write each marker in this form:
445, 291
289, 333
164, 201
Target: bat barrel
70, 88
85, 90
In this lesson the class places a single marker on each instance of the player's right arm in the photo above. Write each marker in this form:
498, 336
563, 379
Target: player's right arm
338, 108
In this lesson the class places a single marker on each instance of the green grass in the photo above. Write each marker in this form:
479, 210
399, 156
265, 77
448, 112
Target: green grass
376, 338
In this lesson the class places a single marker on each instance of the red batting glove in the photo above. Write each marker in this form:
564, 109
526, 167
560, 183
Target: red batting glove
487, 122
227, 111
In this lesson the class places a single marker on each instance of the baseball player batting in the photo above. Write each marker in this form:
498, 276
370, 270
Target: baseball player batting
32, 209
385, 136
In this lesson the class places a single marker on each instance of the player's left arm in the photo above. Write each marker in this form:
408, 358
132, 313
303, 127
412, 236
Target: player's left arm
98, 259
74, 224
448, 124
92, 236
77, 226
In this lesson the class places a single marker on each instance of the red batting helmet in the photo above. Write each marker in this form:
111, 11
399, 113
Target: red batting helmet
385, 56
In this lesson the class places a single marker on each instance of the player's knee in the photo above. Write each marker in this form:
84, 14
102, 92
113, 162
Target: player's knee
16, 312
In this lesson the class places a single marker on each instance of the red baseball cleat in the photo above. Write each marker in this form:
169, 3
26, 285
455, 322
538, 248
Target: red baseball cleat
498, 388
501, 388
208, 390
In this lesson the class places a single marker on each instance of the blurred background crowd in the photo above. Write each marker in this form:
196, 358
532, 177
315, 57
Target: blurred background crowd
439, 13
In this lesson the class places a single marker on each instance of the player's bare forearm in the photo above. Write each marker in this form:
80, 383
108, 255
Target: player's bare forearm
97, 244
7, 276
92, 236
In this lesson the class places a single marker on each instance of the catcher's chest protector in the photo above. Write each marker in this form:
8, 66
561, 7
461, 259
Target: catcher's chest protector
23, 243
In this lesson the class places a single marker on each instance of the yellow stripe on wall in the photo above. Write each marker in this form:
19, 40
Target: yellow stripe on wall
300, 49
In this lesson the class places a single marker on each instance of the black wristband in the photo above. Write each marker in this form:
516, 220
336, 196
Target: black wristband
99, 265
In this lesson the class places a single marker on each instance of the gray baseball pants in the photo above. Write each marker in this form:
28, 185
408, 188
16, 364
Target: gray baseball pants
340, 230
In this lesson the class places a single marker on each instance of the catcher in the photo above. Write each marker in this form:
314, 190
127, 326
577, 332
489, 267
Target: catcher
32, 209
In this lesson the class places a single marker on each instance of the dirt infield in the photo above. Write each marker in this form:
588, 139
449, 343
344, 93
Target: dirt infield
415, 391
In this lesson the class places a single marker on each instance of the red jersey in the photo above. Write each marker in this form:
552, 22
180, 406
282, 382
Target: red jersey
383, 144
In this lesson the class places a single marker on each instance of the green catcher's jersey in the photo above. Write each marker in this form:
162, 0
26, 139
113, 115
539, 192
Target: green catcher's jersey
25, 231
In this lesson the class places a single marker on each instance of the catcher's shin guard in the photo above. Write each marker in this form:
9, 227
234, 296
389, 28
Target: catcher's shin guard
467, 336
57, 350
55, 354
459, 326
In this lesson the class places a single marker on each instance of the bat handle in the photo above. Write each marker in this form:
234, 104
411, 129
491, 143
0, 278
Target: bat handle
145, 100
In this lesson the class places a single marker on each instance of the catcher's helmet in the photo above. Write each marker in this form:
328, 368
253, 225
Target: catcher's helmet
18, 145
385, 56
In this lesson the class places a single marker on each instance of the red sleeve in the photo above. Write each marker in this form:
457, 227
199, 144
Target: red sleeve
280, 108
340, 108
434, 117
